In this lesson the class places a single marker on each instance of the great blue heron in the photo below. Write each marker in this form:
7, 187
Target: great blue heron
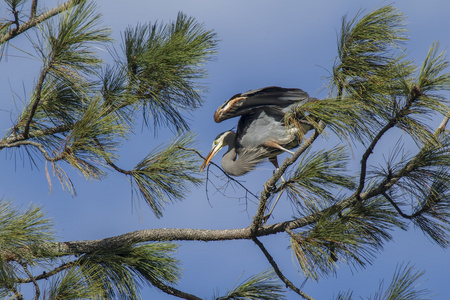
261, 132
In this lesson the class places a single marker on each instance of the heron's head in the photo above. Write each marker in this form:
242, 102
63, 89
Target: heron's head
220, 141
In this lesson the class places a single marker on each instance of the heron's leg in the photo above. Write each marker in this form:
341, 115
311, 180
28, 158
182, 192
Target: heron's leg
274, 144
274, 161
266, 217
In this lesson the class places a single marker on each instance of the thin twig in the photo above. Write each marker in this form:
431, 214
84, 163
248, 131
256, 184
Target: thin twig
217, 166
409, 167
424, 208
46, 275
277, 270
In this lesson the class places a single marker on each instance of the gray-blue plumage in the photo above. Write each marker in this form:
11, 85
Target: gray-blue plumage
261, 132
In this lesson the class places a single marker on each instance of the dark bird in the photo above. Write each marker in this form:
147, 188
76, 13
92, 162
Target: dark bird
261, 132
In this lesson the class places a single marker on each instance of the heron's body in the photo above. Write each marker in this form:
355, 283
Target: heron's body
261, 132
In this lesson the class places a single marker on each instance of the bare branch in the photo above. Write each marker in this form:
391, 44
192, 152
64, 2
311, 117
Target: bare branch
278, 271
37, 145
33, 279
397, 208
46, 275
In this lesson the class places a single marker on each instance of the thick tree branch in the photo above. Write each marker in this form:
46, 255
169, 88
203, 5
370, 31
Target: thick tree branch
172, 234
278, 271
33, 21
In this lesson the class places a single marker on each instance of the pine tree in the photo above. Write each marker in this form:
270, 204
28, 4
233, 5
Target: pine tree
81, 110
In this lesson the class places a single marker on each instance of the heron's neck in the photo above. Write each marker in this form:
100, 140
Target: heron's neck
235, 164
230, 162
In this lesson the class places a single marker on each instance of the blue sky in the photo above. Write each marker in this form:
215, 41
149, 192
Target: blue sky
262, 43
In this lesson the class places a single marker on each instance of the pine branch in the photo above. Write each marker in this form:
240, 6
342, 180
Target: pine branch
120, 270
37, 20
404, 285
162, 63
73, 283
39, 146
390, 124
162, 176
318, 174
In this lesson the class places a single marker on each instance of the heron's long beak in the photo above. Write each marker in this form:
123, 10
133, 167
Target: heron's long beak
211, 154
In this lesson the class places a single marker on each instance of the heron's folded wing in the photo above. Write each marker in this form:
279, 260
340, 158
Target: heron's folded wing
241, 104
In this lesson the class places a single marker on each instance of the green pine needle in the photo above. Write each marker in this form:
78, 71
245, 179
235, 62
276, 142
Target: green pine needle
353, 236
163, 63
366, 70
262, 286
68, 41
404, 285
21, 231
163, 176
318, 175
74, 283
96, 136
121, 271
